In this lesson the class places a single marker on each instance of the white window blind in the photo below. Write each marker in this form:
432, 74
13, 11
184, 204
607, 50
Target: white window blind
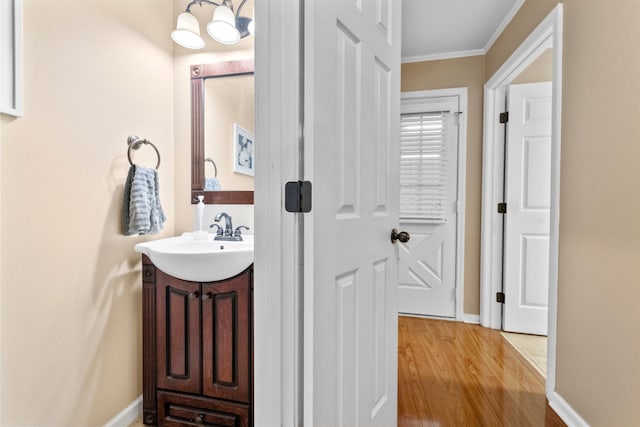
423, 166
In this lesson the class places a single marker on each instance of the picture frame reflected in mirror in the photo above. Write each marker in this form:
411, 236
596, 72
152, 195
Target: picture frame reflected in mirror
243, 150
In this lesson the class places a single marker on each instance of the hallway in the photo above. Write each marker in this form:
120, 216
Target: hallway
457, 374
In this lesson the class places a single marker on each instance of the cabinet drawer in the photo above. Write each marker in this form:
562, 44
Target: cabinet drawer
176, 409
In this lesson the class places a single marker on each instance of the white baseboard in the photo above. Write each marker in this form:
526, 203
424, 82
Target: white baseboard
471, 318
127, 415
565, 411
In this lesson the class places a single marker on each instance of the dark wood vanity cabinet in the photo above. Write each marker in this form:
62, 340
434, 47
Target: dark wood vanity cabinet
197, 350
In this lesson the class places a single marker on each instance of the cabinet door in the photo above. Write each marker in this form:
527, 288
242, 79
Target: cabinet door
226, 338
178, 333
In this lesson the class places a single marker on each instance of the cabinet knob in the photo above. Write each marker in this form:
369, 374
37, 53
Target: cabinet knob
207, 296
199, 419
193, 295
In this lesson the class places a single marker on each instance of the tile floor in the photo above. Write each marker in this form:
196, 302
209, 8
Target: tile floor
531, 347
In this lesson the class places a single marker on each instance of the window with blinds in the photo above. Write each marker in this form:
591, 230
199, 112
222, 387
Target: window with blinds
423, 166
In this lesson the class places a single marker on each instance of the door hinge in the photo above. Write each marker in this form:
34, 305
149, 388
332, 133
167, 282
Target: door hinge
502, 208
504, 117
297, 196
500, 297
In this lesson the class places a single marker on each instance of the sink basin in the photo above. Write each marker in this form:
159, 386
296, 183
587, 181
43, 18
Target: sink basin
208, 260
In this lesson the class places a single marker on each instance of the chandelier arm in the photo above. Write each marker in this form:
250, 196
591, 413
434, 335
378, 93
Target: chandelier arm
240, 7
199, 3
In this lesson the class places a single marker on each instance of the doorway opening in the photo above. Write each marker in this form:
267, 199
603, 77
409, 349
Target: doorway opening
548, 35
432, 192
527, 161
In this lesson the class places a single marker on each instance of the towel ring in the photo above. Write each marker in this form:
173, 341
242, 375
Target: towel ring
215, 168
135, 142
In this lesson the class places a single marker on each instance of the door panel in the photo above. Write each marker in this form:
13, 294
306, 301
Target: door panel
352, 66
226, 337
535, 249
528, 196
178, 333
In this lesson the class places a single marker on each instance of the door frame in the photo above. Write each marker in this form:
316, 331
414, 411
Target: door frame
462, 94
547, 34
278, 258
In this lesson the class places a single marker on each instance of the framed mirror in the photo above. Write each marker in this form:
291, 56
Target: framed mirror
222, 123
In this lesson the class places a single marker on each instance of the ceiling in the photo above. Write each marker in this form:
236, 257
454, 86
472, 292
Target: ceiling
440, 29
431, 29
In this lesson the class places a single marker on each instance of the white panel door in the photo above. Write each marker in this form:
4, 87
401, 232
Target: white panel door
527, 189
352, 100
427, 270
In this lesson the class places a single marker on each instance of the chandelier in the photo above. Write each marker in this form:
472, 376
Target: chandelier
226, 26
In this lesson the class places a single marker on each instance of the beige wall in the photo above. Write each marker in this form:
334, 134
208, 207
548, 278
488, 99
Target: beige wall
598, 347
463, 72
526, 20
540, 70
598, 319
94, 72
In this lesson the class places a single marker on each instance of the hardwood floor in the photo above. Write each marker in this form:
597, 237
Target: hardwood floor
456, 374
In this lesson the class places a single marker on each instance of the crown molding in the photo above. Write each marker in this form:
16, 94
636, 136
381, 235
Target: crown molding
473, 52
507, 19
443, 55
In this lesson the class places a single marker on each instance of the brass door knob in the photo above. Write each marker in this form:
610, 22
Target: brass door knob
403, 236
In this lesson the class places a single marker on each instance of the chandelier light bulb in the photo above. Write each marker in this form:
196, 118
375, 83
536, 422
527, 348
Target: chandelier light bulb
222, 27
225, 27
187, 32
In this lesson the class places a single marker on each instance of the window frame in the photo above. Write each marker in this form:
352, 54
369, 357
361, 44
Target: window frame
11, 84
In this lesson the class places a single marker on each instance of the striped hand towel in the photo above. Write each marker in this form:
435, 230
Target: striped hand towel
141, 209
212, 184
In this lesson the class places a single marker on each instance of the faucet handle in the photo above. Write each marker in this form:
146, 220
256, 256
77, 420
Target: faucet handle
238, 230
219, 230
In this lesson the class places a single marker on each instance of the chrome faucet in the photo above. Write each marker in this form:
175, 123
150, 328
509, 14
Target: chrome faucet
228, 229
228, 232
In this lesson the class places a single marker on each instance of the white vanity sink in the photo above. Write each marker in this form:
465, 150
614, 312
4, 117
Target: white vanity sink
208, 260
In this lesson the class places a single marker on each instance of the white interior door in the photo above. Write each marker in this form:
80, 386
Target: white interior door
527, 190
352, 91
428, 206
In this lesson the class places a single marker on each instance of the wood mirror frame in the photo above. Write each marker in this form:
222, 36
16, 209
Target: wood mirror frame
199, 73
